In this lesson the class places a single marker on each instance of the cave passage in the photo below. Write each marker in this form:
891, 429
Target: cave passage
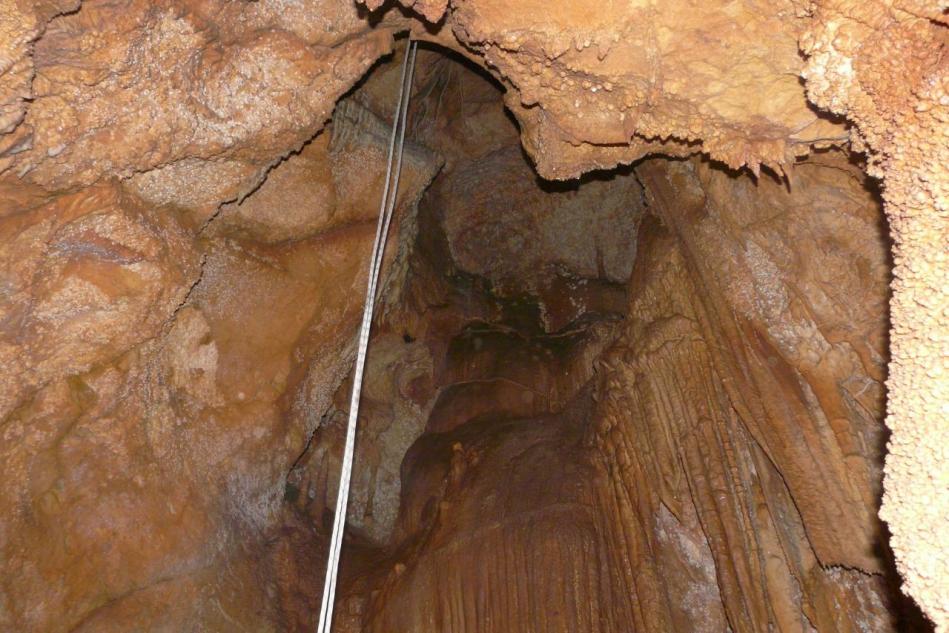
648, 399
636, 318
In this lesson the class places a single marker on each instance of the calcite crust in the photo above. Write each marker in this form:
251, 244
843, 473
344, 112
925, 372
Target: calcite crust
665, 394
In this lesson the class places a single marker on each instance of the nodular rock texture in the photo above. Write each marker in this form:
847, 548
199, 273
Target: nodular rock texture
665, 394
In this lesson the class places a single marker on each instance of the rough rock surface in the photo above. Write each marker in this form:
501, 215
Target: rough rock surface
679, 497
746, 279
790, 309
597, 88
888, 72
161, 376
664, 384
123, 89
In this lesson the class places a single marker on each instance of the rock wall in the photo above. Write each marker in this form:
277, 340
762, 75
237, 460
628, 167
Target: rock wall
742, 418
720, 469
597, 88
166, 356
887, 69
181, 266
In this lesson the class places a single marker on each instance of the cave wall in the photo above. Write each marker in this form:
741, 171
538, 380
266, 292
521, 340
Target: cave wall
887, 71
720, 469
880, 66
167, 351
168, 385
741, 419
181, 265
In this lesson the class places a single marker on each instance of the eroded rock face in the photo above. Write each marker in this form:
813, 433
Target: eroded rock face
693, 503
726, 336
697, 446
162, 373
886, 70
86, 277
641, 79
544, 241
208, 91
462, 343
593, 88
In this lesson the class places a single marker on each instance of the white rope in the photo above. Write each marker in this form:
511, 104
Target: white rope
389, 195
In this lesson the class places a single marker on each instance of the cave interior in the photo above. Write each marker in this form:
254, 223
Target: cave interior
604, 393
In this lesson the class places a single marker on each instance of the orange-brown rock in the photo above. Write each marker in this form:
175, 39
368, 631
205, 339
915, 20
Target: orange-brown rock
680, 498
86, 277
650, 398
733, 328
158, 388
886, 69
593, 88
121, 90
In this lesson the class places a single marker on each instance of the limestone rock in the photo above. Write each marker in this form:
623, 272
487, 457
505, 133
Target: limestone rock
884, 67
123, 90
86, 277
645, 400
594, 88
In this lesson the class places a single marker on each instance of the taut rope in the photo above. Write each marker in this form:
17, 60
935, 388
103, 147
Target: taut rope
389, 195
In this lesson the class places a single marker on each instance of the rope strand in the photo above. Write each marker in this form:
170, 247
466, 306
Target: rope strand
389, 195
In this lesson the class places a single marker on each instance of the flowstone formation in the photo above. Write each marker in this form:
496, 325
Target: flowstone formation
594, 88
664, 315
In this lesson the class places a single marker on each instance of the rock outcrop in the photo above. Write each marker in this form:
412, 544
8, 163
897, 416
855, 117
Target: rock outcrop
165, 358
887, 70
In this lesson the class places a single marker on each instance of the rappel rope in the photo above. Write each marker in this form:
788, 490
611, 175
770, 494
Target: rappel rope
389, 195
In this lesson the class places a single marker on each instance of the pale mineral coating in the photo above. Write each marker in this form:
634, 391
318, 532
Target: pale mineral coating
886, 67
125, 89
21, 23
567, 245
86, 277
597, 88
